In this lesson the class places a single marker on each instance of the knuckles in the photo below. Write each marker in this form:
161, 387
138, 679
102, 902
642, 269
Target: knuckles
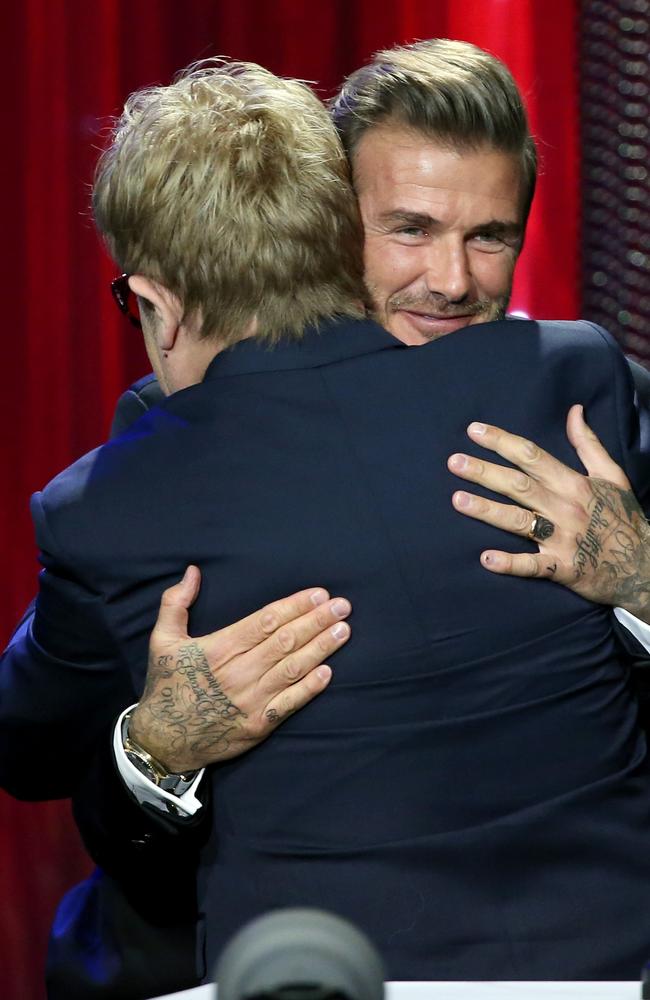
286, 640
286, 706
291, 669
268, 622
521, 483
322, 617
578, 510
530, 451
522, 520
257, 730
534, 568
325, 643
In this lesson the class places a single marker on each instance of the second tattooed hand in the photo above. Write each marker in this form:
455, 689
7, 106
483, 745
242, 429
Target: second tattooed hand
592, 534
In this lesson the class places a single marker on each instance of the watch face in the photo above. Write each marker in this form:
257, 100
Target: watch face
142, 766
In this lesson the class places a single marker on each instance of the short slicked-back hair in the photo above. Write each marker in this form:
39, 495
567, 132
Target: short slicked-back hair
452, 92
230, 187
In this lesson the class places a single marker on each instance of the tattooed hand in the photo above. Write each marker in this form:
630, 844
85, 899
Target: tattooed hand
211, 698
592, 534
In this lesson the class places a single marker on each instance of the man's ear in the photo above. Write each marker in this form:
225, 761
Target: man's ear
166, 308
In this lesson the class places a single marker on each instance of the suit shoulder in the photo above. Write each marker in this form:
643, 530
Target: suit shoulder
564, 351
580, 347
68, 486
566, 335
87, 502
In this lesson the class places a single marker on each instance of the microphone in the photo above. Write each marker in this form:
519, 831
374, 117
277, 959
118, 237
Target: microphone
299, 954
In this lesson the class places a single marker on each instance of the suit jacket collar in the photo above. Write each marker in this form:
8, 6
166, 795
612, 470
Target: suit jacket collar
330, 342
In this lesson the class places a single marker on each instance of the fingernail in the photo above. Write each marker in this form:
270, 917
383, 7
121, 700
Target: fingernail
324, 672
340, 631
458, 461
318, 597
341, 607
489, 559
475, 428
462, 499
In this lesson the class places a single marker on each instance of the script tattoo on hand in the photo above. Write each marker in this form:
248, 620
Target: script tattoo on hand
613, 555
190, 712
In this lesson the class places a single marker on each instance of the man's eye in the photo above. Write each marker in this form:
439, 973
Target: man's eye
411, 231
488, 241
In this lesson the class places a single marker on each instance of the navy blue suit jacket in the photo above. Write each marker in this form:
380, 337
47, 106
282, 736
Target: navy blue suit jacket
473, 782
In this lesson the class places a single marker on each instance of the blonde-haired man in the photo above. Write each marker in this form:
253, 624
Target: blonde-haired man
230, 191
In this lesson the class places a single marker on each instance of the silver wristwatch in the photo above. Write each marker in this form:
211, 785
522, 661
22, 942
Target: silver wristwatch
152, 769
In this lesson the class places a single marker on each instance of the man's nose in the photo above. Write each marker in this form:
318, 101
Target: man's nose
448, 272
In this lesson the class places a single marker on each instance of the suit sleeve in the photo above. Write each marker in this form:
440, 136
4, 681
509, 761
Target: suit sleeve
631, 386
61, 682
136, 843
637, 656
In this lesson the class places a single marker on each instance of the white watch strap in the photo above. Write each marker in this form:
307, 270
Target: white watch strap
144, 790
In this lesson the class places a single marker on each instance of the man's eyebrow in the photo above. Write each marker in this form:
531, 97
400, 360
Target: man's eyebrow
500, 228
403, 216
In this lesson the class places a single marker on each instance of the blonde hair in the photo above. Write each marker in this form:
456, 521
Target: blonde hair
230, 187
451, 91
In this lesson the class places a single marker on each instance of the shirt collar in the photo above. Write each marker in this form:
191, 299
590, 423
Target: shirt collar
330, 342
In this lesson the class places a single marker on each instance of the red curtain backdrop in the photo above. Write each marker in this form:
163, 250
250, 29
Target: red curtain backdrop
67, 354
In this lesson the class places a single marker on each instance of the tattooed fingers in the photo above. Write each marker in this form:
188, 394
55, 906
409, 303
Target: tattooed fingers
525, 564
295, 697
518, 520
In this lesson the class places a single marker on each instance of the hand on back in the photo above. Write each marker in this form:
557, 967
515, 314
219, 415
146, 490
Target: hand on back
210, 698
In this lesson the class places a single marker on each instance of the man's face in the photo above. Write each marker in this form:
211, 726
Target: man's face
442, 231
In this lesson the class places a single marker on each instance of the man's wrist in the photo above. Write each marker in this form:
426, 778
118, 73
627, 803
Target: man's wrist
153, 770
148, 792
153, 738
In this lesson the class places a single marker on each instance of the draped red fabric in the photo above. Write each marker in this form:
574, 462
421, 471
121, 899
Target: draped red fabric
66, 352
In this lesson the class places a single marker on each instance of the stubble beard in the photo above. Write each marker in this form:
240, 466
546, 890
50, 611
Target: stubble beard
481, 311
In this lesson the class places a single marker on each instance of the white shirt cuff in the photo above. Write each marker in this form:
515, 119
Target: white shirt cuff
640, 630
144, 790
